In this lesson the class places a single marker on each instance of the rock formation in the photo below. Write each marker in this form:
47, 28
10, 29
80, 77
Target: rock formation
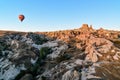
79, 54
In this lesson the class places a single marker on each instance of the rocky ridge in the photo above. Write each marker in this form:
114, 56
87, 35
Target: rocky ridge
79, 54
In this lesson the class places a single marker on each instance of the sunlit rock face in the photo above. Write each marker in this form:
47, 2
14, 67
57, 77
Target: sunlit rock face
79, 54
96, 47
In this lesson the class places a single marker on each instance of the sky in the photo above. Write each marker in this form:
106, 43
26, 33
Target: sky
51, 15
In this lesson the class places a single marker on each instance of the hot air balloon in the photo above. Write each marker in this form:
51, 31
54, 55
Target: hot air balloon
21, 17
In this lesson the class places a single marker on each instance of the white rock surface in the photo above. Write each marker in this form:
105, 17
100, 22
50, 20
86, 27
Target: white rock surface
71, 75
79, 62
9, 71
57, 51
51, 44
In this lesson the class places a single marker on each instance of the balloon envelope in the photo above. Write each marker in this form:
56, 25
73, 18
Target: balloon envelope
21, 17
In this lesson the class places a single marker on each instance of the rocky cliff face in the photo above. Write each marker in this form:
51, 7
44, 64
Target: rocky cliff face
79, 54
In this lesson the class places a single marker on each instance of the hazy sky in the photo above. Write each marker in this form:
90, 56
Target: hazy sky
49, 15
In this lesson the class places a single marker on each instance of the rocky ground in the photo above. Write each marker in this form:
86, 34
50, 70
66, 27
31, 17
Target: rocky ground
79, 54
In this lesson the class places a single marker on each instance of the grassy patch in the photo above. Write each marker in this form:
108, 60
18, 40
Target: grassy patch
44, 51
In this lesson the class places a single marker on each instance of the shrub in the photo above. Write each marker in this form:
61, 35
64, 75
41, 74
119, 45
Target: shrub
44, 51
